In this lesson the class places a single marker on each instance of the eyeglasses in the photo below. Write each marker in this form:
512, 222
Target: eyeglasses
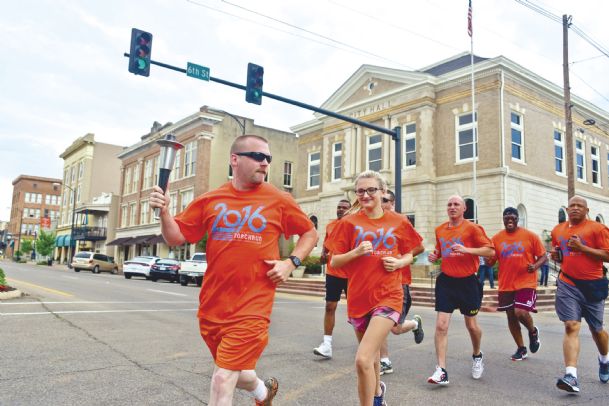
385, 200
370, 191
256, 156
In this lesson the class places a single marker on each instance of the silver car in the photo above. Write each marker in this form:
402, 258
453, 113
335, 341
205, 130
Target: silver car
139, 266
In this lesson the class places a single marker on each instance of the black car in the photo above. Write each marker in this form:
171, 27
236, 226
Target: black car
167, 269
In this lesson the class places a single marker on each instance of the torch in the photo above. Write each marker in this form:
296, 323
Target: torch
169, 146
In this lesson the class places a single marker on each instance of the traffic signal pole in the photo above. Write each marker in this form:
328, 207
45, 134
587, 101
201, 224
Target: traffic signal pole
395, 133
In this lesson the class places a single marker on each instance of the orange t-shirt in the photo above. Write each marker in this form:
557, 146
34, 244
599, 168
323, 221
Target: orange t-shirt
468, 234
370, 285
577, 264
243, 228
338, 272
406, 274
515, 251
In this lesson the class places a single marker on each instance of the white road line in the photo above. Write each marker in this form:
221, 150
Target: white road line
102, 302
169, 293
69, 277
97, 311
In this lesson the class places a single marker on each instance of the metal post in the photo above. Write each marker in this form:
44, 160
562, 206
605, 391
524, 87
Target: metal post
566, 22
398, 169
72, 242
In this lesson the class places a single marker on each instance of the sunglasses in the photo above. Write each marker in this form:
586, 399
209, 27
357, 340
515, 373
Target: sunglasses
370, 191
385, 200
256, 156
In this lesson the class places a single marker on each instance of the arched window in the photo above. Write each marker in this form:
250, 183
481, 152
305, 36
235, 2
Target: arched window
522, 215
469, 210
600, 219
314, 220
562, 215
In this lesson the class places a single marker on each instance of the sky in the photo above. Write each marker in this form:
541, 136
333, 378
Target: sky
63, 73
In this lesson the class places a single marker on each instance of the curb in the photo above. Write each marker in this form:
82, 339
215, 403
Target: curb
13, 294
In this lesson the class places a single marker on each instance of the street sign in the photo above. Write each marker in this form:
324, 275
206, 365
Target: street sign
197, 71
45, 222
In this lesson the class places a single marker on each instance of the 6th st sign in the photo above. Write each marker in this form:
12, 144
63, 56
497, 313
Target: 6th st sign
197, 71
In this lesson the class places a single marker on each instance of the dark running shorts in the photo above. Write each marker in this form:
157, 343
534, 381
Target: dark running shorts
464, 294
335, 287
522, 299
405, 304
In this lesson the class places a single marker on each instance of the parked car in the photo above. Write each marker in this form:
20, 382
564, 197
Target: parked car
166, 268
194, 269
139, 266
93, 262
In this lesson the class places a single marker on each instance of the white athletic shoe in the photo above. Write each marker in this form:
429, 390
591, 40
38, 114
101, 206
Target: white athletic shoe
324, 350
477, 366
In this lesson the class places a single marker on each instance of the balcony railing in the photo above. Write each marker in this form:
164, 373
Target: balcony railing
90, 233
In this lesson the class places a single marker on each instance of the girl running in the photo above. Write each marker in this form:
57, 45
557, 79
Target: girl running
370, 244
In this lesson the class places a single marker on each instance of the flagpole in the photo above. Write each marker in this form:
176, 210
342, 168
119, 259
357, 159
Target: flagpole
474, 116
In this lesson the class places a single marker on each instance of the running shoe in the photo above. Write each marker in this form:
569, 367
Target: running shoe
520, 354
534, 342
324, 350
439, 377
477, 366
418, 333
568, 383
272, 385
380, 400
386, 367
603, 371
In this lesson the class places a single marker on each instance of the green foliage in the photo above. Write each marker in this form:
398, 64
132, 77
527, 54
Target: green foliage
202, 245
18, 255
26, 246
312, 264
45, 243
2, 278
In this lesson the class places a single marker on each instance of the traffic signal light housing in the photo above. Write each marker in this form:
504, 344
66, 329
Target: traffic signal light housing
253, 88
139, 52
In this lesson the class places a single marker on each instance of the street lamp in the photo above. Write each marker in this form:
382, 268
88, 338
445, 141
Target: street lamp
72, 243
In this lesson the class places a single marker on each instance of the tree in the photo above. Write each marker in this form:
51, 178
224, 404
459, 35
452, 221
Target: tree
25, 246
45, 243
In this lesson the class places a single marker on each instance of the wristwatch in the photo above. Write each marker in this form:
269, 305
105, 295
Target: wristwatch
295, 260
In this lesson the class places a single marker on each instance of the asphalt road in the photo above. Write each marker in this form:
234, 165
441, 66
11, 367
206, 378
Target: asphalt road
85, 339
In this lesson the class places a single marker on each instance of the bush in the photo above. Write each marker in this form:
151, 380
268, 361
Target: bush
2, 278
312, 264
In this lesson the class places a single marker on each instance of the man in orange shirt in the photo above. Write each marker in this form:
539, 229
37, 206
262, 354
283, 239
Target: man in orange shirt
416, 324
243, 220
336, 283
520, 253
583, 246
459, 242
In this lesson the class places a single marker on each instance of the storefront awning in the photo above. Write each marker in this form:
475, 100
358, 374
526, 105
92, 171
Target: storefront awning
157, 239
142, 239
66, 241
59, 241
120, 241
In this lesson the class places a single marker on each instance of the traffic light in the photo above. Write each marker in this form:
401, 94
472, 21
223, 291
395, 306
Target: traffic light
253, 89
139, 53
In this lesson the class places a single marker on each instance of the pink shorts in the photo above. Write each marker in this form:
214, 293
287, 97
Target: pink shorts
522, 299
361, 323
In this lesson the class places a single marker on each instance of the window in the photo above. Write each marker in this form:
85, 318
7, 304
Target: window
410, 145
155, 169
78, 194
469, 210
144, 214
81, 169
173, 204
412, 219
127, 185
314, 170
39, 198
562, 215
72, 174
580, 161
136, 178
595, 163
375, 158
337, 161
517, 137
175, 173
47, 199
465, 137
190, 158
133, 214
148, 173
559, 152
522, 215
287, 174
27, 197
185, 198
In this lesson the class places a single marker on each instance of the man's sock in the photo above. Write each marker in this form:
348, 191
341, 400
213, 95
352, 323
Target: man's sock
571, 370
604, 358
260, 392
328, 339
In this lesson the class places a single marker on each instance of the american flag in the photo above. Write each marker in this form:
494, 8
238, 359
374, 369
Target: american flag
470, 30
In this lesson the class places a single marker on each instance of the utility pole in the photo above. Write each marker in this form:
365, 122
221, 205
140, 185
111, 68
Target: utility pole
566, 22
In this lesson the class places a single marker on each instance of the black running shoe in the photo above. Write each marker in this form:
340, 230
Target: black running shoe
534, 342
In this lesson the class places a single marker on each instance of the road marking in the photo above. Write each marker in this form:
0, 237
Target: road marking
103, 302
58, 292
169, 293
69, 277
97, 311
